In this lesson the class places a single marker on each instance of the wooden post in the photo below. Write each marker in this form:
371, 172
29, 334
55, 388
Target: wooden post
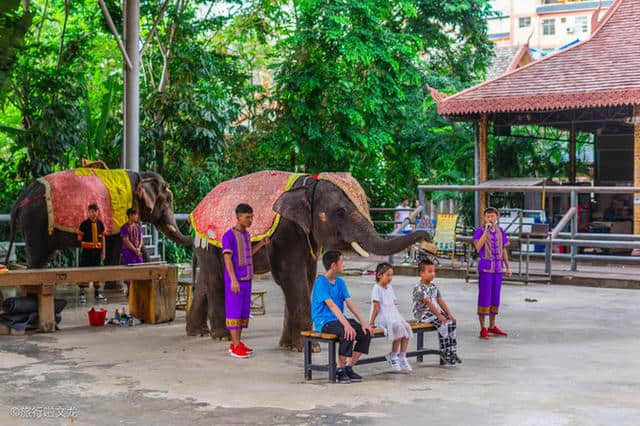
572, 153
636, 169
483, 166
46, 310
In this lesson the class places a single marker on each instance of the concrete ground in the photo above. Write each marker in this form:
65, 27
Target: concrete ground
572, 358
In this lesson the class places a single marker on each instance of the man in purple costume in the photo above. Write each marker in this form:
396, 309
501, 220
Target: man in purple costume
238, 272
491, 243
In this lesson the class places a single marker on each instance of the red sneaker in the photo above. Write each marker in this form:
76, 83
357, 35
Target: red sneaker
484, 333
496, 330
246, 348
239, 352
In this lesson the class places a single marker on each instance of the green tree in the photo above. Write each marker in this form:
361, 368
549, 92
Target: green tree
351, 89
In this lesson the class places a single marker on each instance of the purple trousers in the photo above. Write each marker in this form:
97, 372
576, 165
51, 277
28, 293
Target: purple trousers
489, 285
237, 305
129, 257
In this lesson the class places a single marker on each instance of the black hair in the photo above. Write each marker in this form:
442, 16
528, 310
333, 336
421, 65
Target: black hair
381, 269
330, 257
424, 263
491, 210
131, 211
93, 206
243, 208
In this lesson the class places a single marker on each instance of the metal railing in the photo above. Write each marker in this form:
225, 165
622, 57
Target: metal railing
556, 237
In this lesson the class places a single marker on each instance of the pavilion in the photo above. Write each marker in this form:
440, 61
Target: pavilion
592, 87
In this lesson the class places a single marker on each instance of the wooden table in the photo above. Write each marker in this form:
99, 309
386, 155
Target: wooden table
157, 282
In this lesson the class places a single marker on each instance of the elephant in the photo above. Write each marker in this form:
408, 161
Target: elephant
151, 196
314, 214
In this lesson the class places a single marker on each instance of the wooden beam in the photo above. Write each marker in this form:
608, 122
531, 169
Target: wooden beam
636, 169
112, 27
572, 153
61, 276
483, 161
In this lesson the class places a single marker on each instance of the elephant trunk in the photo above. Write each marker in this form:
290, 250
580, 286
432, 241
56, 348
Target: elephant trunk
170, 228
368, 241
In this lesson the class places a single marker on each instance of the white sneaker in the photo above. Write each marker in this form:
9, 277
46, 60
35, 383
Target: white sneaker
404, 364
393, 362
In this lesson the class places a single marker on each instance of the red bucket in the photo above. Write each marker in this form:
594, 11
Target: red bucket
96, 318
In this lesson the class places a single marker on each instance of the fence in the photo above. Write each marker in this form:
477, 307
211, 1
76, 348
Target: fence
556, 237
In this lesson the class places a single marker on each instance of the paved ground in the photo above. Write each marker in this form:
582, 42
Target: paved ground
571, 359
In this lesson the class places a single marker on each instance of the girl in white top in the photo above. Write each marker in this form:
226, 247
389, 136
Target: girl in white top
385, 314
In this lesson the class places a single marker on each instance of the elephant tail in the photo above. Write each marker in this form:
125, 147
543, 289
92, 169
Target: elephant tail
12, 230
194, 267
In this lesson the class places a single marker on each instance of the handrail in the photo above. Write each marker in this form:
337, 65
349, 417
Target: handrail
563, 222
407, 220
526, 188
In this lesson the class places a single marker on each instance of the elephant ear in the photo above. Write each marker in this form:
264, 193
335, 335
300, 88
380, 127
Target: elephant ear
146, 194
294, 206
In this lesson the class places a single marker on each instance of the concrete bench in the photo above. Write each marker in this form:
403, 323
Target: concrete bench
311, 337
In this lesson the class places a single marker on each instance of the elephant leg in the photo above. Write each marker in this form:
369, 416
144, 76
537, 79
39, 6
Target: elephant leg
298, 306
217, 312
197, 315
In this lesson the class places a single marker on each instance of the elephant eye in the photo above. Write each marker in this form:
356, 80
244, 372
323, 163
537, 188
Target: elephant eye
340, 213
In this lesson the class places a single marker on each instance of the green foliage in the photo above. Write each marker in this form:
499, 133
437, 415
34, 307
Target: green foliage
235, 87
351, 90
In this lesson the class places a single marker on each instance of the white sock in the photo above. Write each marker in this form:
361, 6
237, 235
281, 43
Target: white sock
394, 355
403, 355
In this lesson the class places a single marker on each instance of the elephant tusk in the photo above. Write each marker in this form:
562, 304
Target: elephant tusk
359, 249
172, 228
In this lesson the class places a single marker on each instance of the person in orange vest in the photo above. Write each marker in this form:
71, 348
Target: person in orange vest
91, 235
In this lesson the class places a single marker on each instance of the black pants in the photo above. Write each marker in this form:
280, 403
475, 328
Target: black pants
346, 346
90, 257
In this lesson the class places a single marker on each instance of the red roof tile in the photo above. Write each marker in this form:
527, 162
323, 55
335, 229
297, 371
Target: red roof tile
601, 71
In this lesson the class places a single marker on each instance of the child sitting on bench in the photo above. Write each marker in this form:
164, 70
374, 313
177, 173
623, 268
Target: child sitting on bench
328, 298
429, 306
385, 314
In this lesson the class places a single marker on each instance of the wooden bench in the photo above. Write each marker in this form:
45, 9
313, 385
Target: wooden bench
185, 294
311, 337
257, 302
152, 296
185, 297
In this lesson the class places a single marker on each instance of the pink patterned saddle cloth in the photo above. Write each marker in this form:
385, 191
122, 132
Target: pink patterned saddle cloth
215, 214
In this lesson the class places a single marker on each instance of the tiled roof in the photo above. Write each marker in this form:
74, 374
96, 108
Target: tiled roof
501, 60
598, 72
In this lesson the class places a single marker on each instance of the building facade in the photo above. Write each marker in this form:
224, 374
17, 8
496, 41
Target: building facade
544, 24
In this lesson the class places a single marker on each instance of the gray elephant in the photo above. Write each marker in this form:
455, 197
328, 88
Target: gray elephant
314, 214
31, 217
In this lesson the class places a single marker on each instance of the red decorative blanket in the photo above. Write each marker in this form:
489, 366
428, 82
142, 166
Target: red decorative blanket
69, 193
215, 214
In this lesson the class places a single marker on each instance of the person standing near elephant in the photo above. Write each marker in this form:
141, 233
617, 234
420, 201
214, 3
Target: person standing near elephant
238, 273
328, 297
91, 235
491, 243
131, 236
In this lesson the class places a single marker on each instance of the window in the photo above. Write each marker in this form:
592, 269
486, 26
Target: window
582, 24
548, 27
524, 22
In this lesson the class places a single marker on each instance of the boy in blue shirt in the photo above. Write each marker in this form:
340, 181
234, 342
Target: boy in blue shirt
328, 298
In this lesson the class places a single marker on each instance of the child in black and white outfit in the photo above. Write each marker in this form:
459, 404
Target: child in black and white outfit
429, 307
